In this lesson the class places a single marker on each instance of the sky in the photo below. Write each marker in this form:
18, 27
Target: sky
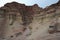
41, 3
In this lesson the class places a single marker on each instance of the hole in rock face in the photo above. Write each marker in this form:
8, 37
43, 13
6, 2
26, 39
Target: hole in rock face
11, 36
51, 29
51, 26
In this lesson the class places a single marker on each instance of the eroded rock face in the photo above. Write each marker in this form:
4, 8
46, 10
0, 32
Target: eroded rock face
21, 22
18, 17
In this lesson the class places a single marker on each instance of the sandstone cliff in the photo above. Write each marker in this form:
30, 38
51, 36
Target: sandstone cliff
21, 22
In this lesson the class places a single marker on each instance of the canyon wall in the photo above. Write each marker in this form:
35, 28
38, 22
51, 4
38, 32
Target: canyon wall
21, 22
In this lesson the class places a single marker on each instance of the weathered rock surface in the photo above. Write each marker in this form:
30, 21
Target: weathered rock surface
21, 22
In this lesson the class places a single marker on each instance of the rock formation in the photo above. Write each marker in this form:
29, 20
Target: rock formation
21, 22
